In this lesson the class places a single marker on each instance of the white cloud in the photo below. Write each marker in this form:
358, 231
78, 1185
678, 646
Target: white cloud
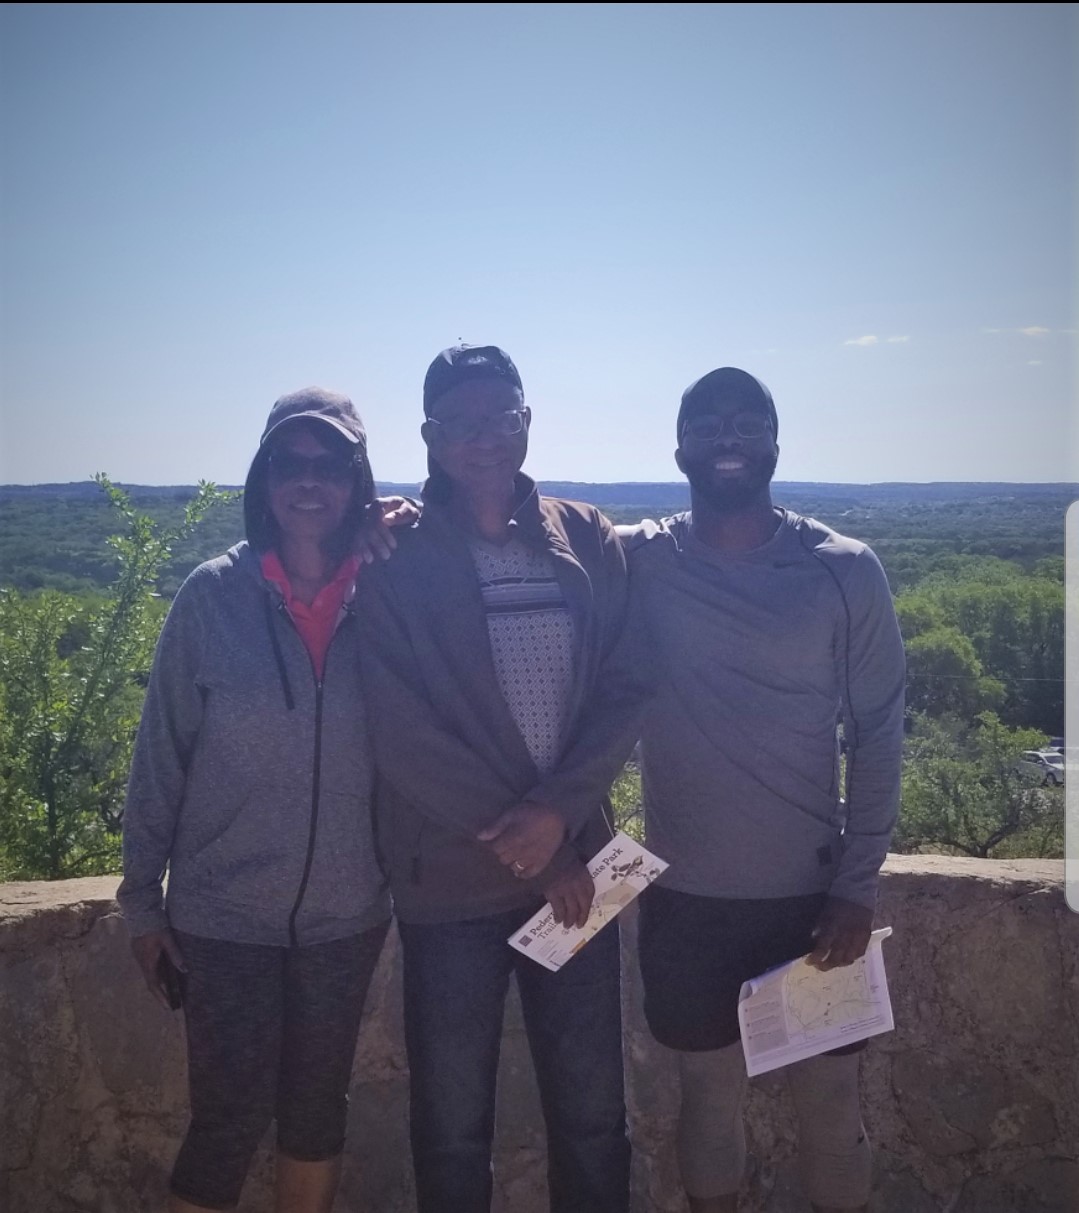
1035, 330
1035, 362
862, 341
898, 340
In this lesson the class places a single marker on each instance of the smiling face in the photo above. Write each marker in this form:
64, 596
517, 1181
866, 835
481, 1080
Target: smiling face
729, 471
467, 435
311, 479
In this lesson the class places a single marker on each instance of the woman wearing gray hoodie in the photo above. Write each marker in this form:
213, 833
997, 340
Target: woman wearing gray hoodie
251, 783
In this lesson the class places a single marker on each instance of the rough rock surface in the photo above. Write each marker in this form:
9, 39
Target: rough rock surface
972, 1103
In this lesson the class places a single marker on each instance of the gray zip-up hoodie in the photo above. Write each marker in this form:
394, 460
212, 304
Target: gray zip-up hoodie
251, 781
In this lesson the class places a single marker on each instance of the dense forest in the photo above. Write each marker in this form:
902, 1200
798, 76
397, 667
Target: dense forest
53, 536
977, 570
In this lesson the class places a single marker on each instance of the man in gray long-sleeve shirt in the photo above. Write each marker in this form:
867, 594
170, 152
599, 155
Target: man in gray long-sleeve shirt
768, 630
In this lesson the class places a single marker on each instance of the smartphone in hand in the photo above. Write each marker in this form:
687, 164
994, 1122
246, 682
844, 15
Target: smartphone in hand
169, 978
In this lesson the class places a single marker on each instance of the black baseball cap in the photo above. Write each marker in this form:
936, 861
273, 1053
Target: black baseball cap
316, 404
460, 363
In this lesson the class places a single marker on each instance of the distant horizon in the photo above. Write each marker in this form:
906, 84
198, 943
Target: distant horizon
391, 480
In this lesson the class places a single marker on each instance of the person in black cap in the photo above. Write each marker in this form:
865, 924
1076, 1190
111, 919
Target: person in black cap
508, 699
251, 782
768, 629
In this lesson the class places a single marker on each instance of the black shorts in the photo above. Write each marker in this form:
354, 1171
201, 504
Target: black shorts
695, 953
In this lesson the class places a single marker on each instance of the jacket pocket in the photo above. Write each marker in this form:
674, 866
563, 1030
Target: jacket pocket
258, 858
346, 877
397, 828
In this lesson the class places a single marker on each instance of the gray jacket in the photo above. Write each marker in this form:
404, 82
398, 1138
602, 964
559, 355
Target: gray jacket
251, 781
450, 757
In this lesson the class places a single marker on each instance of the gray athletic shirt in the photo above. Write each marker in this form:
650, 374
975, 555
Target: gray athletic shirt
758, 655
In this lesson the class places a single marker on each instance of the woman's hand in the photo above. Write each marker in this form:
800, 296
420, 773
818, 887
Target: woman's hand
148, 951
375, 540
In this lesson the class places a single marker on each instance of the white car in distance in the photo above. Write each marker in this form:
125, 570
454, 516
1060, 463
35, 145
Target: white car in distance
1041, 766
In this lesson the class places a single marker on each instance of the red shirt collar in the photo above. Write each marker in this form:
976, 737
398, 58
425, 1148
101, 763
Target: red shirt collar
273, 570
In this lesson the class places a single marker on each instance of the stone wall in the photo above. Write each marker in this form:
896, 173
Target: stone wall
972, 1103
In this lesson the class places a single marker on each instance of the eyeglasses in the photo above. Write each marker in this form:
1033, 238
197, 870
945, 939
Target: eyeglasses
461, 429
329, 469
708, 427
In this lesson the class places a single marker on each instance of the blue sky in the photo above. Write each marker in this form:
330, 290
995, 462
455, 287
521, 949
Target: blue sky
871, 207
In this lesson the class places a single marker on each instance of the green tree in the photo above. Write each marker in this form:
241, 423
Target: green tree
944, 675
962, 792
72, 677
1013, 623
626, 801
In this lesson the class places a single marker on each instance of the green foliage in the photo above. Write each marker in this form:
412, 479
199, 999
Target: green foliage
61, 541
986, 635
944, 675
978, 571
626, 802
962, 793
52, 536
72, 677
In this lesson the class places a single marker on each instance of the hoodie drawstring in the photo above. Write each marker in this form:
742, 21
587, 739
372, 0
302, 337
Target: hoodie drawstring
286, 686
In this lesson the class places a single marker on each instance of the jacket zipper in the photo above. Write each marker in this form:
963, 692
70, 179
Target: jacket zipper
313, 830
316, 773
275, 644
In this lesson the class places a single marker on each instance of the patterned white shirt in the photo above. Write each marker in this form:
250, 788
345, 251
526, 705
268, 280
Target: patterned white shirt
531, 635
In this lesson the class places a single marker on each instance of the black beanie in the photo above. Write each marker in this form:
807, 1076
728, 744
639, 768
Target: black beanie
722, 386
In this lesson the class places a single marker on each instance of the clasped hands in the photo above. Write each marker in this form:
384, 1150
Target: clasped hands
525, 839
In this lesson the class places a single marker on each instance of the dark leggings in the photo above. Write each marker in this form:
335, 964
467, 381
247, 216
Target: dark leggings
271, 1032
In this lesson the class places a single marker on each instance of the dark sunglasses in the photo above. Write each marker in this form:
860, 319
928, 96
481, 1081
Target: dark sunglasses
460, 429
709, 428
329, 469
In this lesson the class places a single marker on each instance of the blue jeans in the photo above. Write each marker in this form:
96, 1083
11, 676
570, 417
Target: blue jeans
456, 976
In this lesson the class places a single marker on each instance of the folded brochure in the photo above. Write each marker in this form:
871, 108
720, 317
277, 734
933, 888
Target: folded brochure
795, 1011
620, 871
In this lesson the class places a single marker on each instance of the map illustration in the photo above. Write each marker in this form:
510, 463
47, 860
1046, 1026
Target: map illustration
831, 1000
796, 1011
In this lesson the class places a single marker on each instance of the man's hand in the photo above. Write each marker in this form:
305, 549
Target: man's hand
842, 934
525, 838
570, 895
375, 539
147, 950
